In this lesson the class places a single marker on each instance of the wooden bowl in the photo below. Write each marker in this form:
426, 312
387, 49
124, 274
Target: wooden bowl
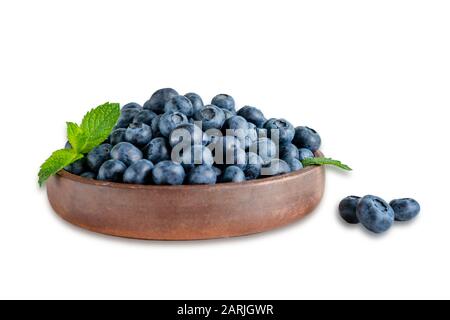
186, 212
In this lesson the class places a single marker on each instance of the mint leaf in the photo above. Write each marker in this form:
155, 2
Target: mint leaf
56, 162
96, 126
325, 161
74, 136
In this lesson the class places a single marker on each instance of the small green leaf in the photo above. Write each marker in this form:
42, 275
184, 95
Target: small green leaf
73, 135
56, 162
97, 124
325, 161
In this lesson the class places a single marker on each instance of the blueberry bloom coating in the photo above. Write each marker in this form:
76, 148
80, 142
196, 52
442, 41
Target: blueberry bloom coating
158, 100
202, 174
169, 121
233, 174
347, 209
405, 209
212, 117
168, 173
145, 116
157, 150
97, 156
138, 134
196, 100
224, 101
139, 172
307, 138
126, 153
112, 170
253, 115
375, 214
179, 104
281, 128
117, 136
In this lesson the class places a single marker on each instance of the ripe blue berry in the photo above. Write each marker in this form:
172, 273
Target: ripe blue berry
304, 153
127, 117
280, 128
212, 117
196, 100
307, 138
117, 136
112, 170
275, 167
132, 105
187, 134
253, 115
168, 173
126, 153
159, 99
233, 174
169, 121
405, 209
293, 163
179, 104
145, 116
97, 156
347, 209
265, 148
375, 214
253, 167
138, 134
224, 101
202, 174
289, 151
139, 172
157, 150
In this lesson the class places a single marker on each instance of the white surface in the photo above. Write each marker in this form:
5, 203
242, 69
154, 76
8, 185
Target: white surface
372, 76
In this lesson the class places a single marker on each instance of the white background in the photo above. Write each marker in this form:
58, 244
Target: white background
373, 77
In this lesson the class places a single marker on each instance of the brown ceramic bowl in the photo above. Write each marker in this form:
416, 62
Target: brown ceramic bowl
186, 212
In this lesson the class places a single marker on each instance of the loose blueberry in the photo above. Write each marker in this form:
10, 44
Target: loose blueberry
89, 175
405, 209
97, 156
233, 174
375, 214
145, 116
304, 153
289, 151
179, 104
132, 105
139, 172
266, 148
169, 121
347, 209
275, 167
127, 117
157, 150
253, 115
188, 134
78, 167
202, 174
293, 163
158, 100
138, 134
196, 100
168, 172
117, 136
126, 153
307, 138
212, 117
224, 101
280, 128
254, 165
111, 170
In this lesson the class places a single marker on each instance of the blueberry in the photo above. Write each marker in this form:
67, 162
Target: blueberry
375, 214
117, 136
138, 134
168, 172
196, 100
275, 167
132, 105
236, 157
195, 155
89, 175
78, 167
211, 117
112, 170
127, 117
251, 136
155, 126
170, 121
266, 148
293, 163
139, 172
233, 124
126, 153
145, 116
228, 114
158, 100
307, 138
223, 146
289, 151
405, 209
157, 150
347, 209
233, 174
224, 101
97, 156
188, 134
280, 128
304, 153
254, 165
202, 174
179, 104
253, 115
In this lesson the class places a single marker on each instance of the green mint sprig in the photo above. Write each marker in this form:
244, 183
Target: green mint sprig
95, 128
325, 161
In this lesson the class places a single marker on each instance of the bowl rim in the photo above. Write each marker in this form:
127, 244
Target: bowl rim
117, 185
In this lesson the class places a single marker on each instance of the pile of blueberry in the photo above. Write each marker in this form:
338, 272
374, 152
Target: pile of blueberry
376, 214
175, 139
